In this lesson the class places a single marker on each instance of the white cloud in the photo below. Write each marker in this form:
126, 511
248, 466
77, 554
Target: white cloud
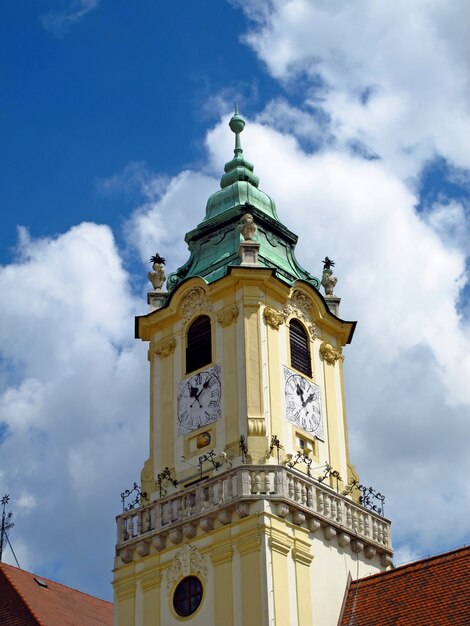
59, 21
74, 401
160, 224
393, 76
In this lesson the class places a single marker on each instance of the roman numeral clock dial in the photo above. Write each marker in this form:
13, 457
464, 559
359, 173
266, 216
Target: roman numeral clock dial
303, 403
199, 400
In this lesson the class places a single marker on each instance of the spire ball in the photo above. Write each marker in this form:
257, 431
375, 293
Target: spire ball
237, 123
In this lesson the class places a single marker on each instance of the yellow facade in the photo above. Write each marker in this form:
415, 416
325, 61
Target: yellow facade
268, 543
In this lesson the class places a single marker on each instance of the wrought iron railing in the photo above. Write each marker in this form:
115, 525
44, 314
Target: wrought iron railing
230, 492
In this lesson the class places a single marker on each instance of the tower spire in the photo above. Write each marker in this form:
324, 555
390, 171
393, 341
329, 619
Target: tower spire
238, 169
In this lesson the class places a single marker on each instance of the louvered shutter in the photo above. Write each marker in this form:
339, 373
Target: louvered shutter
300, 348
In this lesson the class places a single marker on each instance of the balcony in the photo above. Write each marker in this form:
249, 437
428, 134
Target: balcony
234, 494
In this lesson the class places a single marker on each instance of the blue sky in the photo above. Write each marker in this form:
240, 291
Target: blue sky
123, 83
114, 132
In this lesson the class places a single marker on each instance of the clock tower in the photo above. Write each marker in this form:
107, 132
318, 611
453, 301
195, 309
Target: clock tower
251, 512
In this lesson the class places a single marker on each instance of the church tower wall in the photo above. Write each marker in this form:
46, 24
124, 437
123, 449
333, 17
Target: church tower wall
251, 512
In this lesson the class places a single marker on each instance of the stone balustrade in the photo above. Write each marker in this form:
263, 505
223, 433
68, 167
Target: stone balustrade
215, 500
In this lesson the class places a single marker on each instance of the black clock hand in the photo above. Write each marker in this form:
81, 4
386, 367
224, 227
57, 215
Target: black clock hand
300, 392
204, 386
309, 399
193, 393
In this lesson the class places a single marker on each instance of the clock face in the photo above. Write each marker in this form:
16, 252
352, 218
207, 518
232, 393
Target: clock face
199, 400
303, 403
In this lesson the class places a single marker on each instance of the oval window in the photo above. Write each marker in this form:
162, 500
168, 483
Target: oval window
187, 596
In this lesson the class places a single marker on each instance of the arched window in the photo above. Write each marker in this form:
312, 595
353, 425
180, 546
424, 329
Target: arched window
300, 348
199, 345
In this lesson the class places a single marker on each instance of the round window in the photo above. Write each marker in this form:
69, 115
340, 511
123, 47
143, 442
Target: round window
187, 596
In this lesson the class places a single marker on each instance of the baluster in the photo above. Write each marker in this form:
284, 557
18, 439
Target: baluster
209, 496
139, 522
158, 523
380, 536
263, 481
303, 494
257, 483
246, 483
277, 480
268, 482
229, 493
334, 504
222, 487
339, 511
349, 520
290, 487
233, 480
386, 538
327, 505
367, 525
361, 524
281, 479
178, 509
297, 490
320, 501
146, 520
121, 530
354, 524
309, 491
375, 532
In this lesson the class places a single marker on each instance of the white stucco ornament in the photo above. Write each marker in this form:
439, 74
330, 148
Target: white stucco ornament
188, 560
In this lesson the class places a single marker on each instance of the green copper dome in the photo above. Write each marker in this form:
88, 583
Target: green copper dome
214, 244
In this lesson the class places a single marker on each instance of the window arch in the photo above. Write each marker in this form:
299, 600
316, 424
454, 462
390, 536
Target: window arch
198, 344
300, 348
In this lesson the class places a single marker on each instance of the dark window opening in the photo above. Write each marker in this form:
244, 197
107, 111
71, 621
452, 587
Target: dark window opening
300, 348
199, 344
187, 596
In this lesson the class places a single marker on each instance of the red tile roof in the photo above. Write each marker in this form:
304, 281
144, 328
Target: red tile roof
431, 592
24, 602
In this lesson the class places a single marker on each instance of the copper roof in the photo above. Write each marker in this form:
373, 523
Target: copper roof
435, 590
28, 600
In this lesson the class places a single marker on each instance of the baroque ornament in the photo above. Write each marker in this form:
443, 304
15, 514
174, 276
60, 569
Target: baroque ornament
188, 560
165, 347
273, 317
227, 316
300, 305
330, 354
195, 301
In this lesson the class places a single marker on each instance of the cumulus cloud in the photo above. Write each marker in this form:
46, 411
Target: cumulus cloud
73, 402
59, 21
391, 76
161, 222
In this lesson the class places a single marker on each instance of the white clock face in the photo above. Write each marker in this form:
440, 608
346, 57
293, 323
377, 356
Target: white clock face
303, 403
199, 400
